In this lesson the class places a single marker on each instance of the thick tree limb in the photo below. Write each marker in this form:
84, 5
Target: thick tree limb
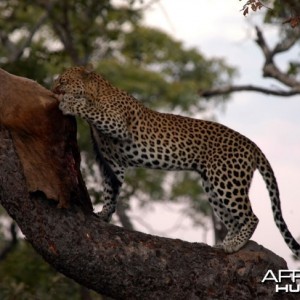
116, 262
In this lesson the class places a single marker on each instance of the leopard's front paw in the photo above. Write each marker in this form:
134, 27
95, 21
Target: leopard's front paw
65, 110
71, 105
66, 104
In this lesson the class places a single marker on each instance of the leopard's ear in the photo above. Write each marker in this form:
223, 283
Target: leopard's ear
87, 70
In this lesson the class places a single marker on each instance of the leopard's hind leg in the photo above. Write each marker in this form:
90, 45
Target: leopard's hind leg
236, 213
232, 225
233, 207
220, 210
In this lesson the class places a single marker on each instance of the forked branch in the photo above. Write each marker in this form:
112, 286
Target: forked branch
270, 70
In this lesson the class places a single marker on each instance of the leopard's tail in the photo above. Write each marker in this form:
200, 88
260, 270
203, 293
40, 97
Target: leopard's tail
267, 173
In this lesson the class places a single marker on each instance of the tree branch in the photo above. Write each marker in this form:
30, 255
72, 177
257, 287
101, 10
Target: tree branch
270, 70
288, 42
261, 42
34, 29
250, 88
111, 260
61, 26
16, 51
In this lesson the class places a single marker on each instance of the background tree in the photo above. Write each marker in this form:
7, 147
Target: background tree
39, 39
285, 16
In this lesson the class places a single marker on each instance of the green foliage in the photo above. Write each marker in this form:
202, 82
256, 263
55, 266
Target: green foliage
161, 72
24, 275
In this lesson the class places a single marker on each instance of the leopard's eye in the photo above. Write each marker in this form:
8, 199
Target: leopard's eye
63, 80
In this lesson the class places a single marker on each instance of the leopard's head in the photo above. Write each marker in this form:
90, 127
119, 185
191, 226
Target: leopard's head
77, 81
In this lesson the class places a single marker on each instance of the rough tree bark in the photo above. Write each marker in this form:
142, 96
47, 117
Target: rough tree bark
49, 202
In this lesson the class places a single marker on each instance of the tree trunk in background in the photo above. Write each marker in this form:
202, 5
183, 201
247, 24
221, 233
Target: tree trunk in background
119, 263
220, 230
11, 243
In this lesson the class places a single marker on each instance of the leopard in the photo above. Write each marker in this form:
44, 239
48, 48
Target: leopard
127, 134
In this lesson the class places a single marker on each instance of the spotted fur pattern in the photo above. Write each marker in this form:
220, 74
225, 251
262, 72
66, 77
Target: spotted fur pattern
127, 134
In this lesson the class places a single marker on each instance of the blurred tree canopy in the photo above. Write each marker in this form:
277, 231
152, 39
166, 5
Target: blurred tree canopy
41, 38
